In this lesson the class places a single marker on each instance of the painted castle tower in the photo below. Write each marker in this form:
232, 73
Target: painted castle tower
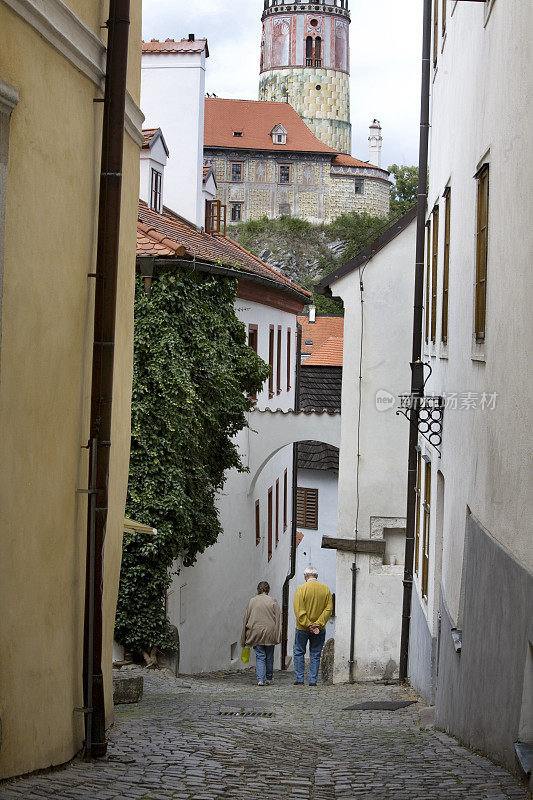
305, 61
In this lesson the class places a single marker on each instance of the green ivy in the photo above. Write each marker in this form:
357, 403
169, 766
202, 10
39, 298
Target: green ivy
193, 373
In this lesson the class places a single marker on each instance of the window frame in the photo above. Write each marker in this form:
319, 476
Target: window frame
361, 183
418, 489
288, 358
434, 272
280, 168
285, 499
269, 524
237, 164
257, 523
446, 266
435, 32
482, 242
156, 190
277, 512
278, 361
271, 362
234, 205
426, 530
428, 275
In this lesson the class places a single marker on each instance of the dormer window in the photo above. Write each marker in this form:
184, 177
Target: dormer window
238, 134
279, 134
155, 191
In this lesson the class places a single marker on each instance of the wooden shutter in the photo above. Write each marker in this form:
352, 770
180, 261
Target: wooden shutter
277, 512
278, 363
417, 511
307, 508
271, 361
427, 522
285, 500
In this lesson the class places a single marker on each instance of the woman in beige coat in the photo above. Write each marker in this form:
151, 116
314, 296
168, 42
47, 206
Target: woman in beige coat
261, 629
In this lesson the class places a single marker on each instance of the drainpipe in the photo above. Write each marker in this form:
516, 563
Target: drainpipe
102, 368
292, 565
417, 380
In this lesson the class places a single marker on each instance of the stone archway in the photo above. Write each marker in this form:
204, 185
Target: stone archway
271, 431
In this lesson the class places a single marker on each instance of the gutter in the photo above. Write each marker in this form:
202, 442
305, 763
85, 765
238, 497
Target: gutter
102, 370
292, 561
417, 378
149, 266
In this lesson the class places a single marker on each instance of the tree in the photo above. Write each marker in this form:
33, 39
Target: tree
193, 375
404, 190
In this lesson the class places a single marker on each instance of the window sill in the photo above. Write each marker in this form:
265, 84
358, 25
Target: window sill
478, 350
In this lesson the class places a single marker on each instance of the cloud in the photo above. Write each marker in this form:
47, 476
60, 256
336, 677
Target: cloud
385, 43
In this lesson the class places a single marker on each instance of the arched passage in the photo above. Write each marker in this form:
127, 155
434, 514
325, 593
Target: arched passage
271, 431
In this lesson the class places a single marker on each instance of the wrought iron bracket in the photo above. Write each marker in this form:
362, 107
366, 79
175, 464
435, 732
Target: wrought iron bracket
430, 414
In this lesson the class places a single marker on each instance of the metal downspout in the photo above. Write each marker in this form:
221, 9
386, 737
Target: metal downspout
416, 371
102, 368
292, 565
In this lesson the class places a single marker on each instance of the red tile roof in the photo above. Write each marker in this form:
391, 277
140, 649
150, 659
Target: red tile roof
319, 331
167, 235
256, 119
343, 160
328, 354
148, 135
171, 46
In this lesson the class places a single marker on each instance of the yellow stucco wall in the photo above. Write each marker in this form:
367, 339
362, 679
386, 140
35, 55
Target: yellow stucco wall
47, 307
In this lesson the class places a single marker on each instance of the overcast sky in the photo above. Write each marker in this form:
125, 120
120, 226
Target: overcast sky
385, 60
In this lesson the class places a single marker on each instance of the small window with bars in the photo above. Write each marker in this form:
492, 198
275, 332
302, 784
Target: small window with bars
359, 186
155, 192
284, 173
236, 172
236, 212
307, 508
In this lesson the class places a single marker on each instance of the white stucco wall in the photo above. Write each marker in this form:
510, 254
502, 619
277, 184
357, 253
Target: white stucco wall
155, 158
388, 280
208, 612
172, 98
310, 550
479, 102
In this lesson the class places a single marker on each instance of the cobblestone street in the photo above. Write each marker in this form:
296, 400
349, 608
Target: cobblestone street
187, 744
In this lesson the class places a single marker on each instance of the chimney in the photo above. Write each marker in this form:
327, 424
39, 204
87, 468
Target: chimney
191, 37
374, 143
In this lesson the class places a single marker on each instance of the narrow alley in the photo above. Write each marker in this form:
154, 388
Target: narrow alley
221, 736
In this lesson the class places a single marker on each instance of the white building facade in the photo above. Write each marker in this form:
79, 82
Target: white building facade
377, 289
471, 639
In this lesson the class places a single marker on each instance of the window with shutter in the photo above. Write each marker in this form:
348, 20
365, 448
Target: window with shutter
278, 363
269, 523
271, 361
426, 531
277, 512
307, 508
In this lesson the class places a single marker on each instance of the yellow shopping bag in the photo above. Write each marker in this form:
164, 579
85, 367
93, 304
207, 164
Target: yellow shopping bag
245, 655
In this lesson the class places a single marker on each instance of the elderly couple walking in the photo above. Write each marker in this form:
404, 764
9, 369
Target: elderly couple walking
262, 628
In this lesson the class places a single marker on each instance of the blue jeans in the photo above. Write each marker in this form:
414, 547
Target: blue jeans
264, 662
316, 643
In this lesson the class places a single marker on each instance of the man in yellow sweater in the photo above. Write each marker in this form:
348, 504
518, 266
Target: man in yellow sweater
312, 607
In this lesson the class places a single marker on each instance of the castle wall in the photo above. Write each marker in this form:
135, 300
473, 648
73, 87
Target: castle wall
320, 96
318, 191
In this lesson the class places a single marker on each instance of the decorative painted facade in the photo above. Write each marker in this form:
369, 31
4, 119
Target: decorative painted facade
305, 61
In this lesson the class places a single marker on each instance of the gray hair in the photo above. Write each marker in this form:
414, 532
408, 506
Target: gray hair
311, 572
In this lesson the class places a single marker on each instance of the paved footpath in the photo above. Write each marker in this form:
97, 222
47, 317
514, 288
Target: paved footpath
177, 744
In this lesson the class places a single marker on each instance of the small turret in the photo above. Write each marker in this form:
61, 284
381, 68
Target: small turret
375, 142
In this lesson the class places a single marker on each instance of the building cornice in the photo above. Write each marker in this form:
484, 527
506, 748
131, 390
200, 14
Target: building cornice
60, 27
